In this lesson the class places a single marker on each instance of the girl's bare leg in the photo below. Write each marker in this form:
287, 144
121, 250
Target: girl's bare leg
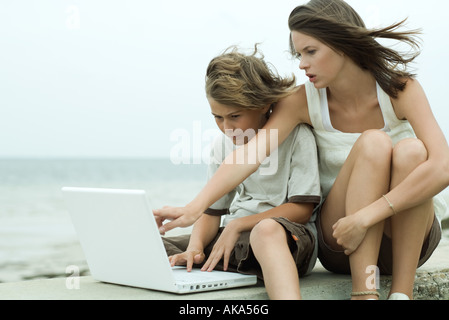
364, 178
269, 243
409, 228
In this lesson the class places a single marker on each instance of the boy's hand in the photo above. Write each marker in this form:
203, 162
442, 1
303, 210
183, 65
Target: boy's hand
187, 258
222, 248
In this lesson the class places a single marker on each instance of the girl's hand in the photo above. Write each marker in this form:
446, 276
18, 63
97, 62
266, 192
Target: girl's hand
349, 233
222, 248
178, 217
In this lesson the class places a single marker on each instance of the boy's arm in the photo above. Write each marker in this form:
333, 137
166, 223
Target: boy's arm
295, 212
303, 194
204, 231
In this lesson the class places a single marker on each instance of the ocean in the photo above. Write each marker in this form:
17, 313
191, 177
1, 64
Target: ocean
37, 237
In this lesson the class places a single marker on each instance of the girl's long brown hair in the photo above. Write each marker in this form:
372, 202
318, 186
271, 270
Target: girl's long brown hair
337, 24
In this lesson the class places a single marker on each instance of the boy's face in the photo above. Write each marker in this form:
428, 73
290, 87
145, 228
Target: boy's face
238, 124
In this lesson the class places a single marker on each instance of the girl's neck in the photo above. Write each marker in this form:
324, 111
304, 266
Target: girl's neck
353, 86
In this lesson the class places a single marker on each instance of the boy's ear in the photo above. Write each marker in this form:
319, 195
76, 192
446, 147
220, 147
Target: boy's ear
265, 110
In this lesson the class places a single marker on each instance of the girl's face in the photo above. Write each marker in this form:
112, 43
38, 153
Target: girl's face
238, 124
321, 63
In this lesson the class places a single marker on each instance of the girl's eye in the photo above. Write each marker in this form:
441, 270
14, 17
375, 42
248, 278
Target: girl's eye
235, 116
310, 52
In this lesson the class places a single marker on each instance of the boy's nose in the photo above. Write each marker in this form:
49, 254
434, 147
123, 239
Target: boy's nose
227, 125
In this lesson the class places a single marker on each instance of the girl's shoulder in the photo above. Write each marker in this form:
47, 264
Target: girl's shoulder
413, 94
295, 106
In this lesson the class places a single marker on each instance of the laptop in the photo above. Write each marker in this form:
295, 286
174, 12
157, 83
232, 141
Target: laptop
122, 245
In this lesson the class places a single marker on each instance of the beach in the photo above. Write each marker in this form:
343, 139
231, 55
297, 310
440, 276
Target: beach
38, 240
36, 232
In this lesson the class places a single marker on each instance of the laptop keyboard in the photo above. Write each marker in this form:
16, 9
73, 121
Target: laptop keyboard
181, 275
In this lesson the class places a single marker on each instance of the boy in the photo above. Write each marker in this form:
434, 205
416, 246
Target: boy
268, 230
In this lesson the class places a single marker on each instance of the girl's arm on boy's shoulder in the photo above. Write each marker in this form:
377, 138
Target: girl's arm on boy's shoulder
287, 114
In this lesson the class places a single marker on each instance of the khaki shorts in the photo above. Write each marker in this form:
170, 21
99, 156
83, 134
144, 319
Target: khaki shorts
301, 242
338, 262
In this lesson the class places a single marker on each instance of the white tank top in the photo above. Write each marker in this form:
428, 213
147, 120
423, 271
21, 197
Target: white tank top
334, 146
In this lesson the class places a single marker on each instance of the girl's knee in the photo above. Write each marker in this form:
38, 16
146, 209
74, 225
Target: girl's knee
408, 154
374, 147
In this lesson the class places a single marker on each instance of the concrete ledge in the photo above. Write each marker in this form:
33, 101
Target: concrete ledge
321, 285
432, 283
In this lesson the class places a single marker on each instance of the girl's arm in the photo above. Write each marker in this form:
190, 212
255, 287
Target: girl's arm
429, 178
288, 113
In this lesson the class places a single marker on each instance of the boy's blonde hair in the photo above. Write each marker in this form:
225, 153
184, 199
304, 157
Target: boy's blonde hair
245, 81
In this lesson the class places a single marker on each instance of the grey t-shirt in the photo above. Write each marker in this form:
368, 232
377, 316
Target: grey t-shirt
288, 175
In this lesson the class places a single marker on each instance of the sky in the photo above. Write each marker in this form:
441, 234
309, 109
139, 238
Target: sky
105, 78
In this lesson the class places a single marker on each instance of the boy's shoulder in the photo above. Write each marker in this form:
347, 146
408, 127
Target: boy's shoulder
301, 132
303, 128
